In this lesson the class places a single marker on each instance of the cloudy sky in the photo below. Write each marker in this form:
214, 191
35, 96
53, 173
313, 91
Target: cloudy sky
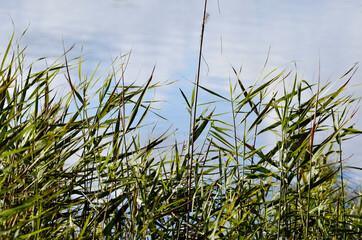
166, 33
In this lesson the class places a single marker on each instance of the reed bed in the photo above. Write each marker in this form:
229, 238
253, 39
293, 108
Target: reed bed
78, 167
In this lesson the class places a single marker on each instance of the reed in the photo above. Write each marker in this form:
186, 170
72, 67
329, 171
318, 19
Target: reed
74, 167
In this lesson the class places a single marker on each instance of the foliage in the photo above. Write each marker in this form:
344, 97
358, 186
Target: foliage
78, 167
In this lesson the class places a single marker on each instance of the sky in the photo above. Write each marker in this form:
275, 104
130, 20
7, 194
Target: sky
324, 34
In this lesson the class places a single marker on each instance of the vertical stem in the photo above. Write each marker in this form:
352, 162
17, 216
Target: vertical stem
194, 119
235, 134
342, 186
281, 188
336, 230
314, 127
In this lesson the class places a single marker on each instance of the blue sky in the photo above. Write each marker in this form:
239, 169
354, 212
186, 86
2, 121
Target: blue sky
166, 34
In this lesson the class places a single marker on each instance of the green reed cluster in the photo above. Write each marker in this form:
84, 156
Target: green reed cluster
78, 166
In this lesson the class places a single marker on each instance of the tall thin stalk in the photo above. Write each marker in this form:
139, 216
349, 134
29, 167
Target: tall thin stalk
194, 119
